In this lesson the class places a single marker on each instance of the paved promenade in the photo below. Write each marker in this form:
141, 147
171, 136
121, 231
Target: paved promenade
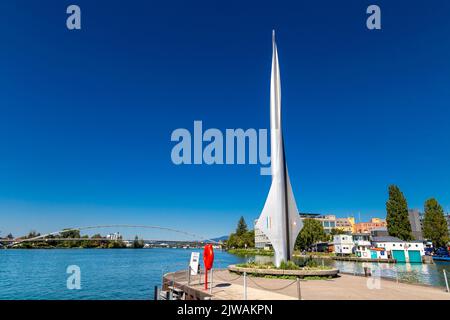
229, 286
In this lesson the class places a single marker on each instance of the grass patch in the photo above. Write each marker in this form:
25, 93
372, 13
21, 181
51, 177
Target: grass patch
255, 265
270, 276
290, 265
289, 277
252, 251
314, 254
317, 277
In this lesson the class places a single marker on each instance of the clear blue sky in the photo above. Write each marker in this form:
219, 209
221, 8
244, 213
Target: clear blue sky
86, 116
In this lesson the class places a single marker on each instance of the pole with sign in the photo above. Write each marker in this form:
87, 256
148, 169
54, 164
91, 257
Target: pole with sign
193, 264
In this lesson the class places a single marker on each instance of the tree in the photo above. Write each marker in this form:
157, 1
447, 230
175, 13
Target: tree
241, 227
120, 244
242, 241
32, 234
8, 237
99, 241
336, 231
242, 238
70, 234
398, 224
434, 225
137, 244
311, 233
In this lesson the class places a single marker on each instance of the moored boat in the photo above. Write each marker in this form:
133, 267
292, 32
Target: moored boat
441, 255
441, 258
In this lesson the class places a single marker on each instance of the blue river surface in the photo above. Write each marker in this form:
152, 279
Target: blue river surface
105, 273
109, 274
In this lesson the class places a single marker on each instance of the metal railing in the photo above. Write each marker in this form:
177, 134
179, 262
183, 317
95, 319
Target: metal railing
215, 279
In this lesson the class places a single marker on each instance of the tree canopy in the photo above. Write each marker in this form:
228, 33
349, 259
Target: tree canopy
398, 224
434, 225
242, 237
336, 231
241, 227
311, 233
137, 243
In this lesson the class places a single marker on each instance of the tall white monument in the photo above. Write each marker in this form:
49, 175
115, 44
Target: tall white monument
279, 219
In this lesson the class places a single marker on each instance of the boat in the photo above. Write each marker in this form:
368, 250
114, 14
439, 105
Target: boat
441, 258
441, 255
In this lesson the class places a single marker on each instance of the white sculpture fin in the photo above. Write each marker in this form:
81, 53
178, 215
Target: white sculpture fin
295, 222
265, 219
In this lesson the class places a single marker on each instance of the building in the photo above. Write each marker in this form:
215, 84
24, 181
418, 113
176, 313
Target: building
415, 220
114, 236
128, 244
361, 239
369, 252
367, 227
261, 240
379, 232
378, 253
321, 247
422, 218
402, 251
328, 221
343, 244
345, 224
362, 245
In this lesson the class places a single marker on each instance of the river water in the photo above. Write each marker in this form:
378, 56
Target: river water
133, 273
105, 273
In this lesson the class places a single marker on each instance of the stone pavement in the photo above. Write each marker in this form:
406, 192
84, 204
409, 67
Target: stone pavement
229, 286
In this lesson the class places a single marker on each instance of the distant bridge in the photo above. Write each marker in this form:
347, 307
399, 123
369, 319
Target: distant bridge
17, 241
45, 237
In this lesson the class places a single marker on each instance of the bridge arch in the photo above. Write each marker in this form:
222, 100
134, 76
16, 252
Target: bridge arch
43, 236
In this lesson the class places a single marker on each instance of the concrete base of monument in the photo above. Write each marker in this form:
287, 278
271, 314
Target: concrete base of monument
301, 273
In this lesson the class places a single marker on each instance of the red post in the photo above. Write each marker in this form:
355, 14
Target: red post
206, 279
208, 260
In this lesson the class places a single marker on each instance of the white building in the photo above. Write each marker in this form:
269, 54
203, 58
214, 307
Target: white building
361, 239
343, 244
128, 244
328, 221
114, 236
362, 245
261, 240
402, 251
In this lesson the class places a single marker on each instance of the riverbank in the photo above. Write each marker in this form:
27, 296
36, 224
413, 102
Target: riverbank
332, 256
358, 259
229, 286
313, 256
263, 252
